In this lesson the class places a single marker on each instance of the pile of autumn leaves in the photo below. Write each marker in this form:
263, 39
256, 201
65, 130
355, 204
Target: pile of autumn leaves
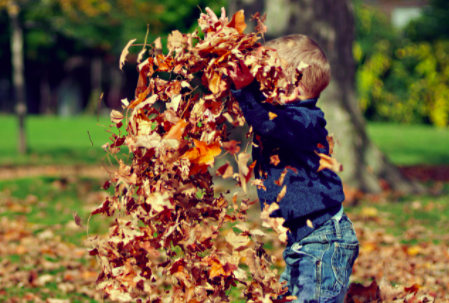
164, 245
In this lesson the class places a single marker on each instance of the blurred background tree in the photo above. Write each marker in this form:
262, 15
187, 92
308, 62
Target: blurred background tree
403, 74
65, 52
71, 50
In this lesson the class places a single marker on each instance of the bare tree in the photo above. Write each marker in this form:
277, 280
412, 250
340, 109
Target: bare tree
331, 24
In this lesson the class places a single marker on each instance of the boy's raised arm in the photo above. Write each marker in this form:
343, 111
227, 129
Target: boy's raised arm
267, 120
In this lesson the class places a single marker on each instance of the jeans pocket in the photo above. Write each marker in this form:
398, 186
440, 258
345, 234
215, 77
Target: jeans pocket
342, 261
313, 249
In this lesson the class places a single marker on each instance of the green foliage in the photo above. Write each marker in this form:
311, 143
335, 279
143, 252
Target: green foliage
399, 79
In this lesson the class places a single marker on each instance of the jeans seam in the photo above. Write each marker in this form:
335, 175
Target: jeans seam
318, 279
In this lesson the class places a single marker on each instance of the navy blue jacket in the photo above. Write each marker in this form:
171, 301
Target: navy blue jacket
295, 135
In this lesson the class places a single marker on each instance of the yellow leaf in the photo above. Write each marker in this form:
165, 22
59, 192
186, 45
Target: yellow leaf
203, 153
272, 115
281, 193
329, 162
214, 83
238, 21
309, 223
216, 269
176, 130
237, 241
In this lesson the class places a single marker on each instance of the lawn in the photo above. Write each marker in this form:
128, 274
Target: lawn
41, 250
408, 144
57, 140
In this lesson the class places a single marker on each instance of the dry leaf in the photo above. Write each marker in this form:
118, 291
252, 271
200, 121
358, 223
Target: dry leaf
77, 219
238, 21
281, 193
330, 140
116, 116
225, 171
272, 115
329, 162
203, 153
125, 53
274, 159
309, 223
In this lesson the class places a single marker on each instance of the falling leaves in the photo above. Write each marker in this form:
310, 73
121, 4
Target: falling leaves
163, 190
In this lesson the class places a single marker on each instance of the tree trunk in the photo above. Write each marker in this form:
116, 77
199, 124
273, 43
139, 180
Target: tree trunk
95, 74
18, 73
45, 92
331, 24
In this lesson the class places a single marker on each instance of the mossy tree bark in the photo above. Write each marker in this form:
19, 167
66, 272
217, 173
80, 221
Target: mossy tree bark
331, 24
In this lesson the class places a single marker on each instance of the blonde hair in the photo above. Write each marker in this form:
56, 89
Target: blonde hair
297, 50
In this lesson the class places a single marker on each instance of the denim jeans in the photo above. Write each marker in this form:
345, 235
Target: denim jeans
318, 267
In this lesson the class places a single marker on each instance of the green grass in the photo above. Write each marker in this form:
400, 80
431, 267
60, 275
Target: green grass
407, 144
54, 140
48, 201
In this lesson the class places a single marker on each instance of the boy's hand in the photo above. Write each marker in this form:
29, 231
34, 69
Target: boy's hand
241, 75
211, 18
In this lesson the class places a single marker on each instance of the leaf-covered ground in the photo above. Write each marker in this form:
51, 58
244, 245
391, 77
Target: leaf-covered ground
43, 260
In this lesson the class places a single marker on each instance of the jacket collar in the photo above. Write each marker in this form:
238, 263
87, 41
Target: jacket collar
303, 103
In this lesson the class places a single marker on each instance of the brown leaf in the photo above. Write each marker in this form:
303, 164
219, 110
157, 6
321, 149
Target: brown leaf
259, 184
280, 181
274, 159
125, 53
330, 140
77, 219
225, 171
232, 146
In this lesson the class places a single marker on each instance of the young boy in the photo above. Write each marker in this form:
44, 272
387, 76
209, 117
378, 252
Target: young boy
322, 245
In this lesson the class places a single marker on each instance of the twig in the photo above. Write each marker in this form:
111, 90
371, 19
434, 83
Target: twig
90, 138
99, 104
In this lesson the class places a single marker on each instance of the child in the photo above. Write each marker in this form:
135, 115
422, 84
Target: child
322, 245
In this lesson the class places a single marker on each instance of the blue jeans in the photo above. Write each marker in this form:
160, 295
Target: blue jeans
318, 267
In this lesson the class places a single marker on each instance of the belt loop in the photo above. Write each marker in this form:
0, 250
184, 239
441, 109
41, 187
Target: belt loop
337, 228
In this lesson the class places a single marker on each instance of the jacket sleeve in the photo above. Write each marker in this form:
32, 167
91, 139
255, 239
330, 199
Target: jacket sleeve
287, 127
